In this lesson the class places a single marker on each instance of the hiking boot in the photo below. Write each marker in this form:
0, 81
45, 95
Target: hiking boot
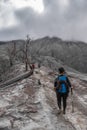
64, 112
59, 112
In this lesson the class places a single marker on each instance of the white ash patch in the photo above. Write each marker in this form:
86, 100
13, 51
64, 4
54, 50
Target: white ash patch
4, 123
85, 96
31, 126
3, 103
78, 120
82, 100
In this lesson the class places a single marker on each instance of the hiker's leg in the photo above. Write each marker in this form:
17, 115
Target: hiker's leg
59, 100
64, 102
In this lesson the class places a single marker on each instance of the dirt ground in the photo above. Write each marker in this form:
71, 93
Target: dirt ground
29, 105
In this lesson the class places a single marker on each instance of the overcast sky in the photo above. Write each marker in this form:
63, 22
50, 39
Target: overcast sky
66, 19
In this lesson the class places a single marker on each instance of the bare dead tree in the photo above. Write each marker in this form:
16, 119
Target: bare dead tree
23, 53
14, 48
11, 52
4, 65
27, 62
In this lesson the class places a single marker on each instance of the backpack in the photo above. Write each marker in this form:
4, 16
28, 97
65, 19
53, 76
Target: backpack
61, 84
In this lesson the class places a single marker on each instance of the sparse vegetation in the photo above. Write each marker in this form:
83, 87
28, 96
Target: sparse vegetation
51, 52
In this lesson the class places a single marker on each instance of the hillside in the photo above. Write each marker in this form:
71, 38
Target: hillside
72, 54
52, 52
28, 104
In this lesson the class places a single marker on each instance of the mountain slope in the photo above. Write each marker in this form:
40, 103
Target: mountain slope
54, 52
73, 54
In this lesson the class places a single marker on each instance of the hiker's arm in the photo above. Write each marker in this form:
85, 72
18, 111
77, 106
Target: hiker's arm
69, 84
68, 81
54, 88
55, 84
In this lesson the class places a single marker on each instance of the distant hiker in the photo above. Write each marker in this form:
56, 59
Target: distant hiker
32, 66
61, 86
39, 65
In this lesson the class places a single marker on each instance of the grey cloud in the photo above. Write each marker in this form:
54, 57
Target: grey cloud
68, 24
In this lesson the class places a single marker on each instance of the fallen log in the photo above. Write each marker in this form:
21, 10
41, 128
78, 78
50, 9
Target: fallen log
16, 79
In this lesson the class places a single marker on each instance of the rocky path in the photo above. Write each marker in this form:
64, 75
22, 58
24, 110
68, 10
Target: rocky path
29, 105
78, 118
49, 111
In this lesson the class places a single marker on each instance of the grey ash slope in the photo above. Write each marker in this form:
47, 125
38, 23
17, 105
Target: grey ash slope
72, 54
54, 52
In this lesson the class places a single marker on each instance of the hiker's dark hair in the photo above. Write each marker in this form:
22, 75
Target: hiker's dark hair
61, 70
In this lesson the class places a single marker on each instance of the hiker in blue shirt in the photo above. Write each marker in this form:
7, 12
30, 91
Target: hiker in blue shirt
61, 86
